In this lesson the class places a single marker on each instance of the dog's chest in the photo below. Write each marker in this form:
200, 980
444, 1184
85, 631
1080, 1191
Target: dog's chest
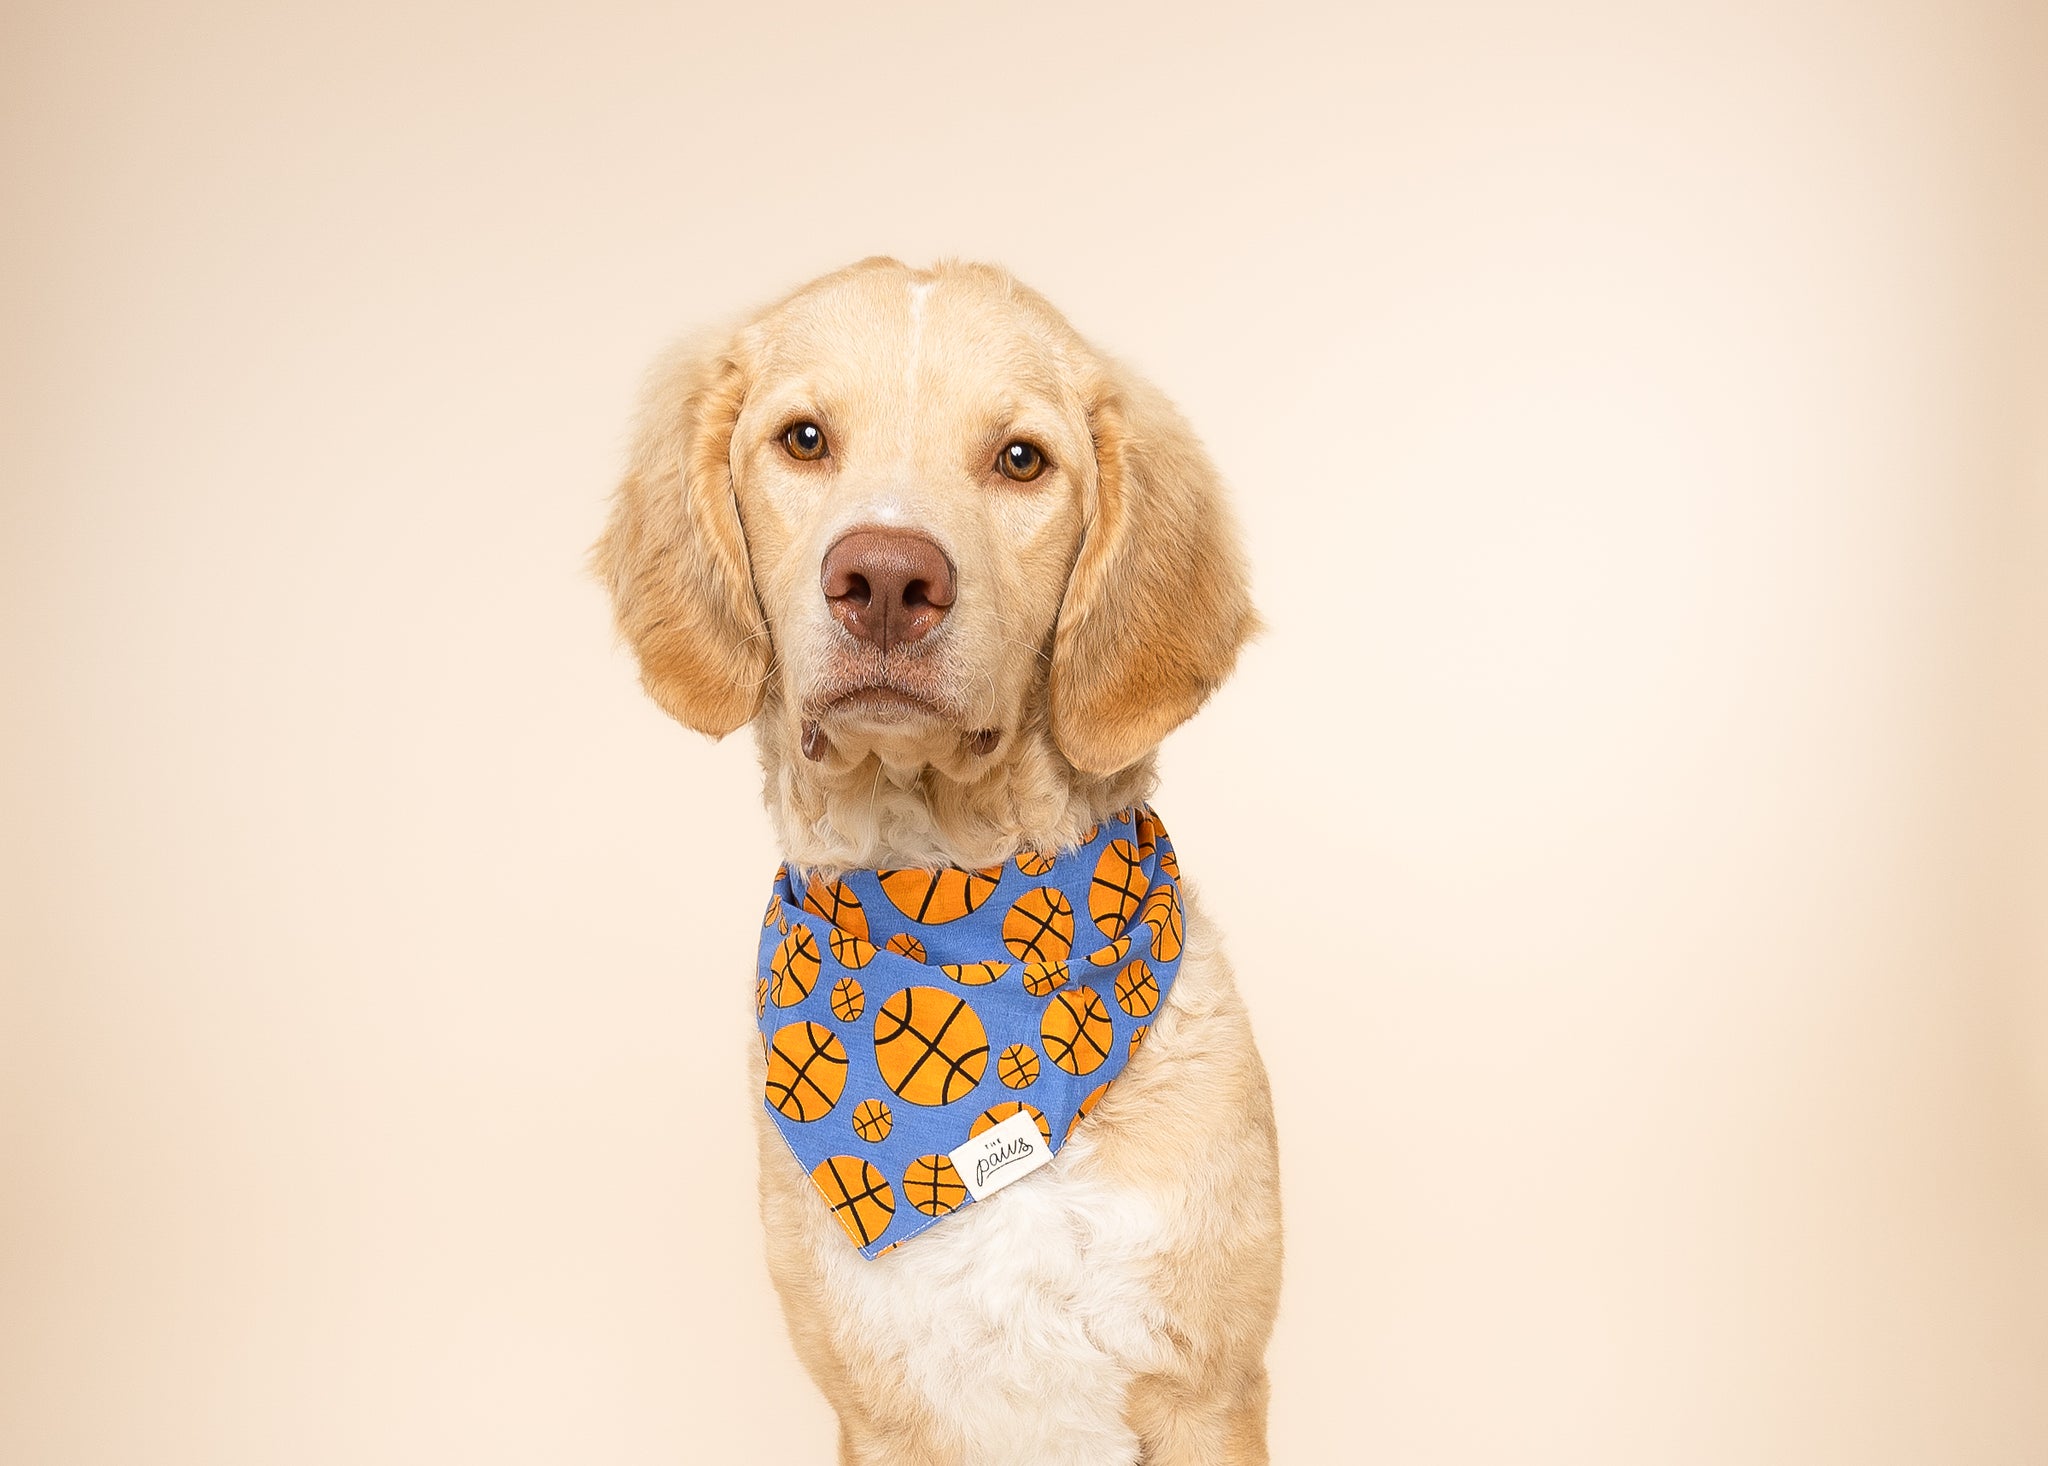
1042, 1293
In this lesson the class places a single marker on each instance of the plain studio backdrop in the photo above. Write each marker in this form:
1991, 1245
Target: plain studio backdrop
1630, 831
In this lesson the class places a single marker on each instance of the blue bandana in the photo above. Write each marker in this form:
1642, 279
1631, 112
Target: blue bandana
933, 1035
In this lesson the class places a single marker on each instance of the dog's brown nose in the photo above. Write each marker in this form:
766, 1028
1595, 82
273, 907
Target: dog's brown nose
889, 587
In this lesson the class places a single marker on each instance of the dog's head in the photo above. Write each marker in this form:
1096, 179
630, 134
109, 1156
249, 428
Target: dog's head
912, 516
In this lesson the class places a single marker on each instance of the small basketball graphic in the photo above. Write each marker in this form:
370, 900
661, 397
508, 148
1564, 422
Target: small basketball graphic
1094, 1097
1017, 1066
1034, 862
1076, 1031
774, 910
933, 1186
905, 945
1042, 978
1040, 926
794, 967
872, 1121
849, 999
837, 904
782, 925
849, 950
1116, 888
806, 1071
760, 997
1137, 1037
974, 974
929, 1045
938, 896
1162, 913
860, 1198
996, 1114
1114, 953
1137, 990
1148, 834
1088, 835
1169, 862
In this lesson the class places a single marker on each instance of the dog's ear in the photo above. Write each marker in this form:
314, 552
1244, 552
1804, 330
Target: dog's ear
674, 556
1157, 604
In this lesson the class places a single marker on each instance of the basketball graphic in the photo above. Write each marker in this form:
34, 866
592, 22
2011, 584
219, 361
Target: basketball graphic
1117, 887
1137, 990
1040, 926
1114, 953
849, 950
849, 999
930, 1047
837, 904
774, 910
1076, 1031
1162, 913
794, 967
1137, 1037
872, 1121
1041, 978
996, 1114
1034, 862
938, 896
1094, 1096
1017, 1066
933, 1186
860, 1198
1170, 863
1148, 834
905, 945
806, 1071
782, 925
1088, 835
760, 997
974, 974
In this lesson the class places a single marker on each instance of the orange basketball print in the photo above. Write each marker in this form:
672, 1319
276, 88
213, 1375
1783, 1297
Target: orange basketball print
1137, 1037
1034, 862
929, 1045
1114, 953
933, 1186
872, 1121
806, 1071
760, 997
774, 910
1041, 978
1169, 928
1137, 990
794, 968
1076, 1031
1117, 887
849, 999
996, 1114
1170, 863
1040, 926
1148, 834
837, 904
974, 974
849, 950
1017, 1066
937, 896
905, 945
860, 1198
1094, 1097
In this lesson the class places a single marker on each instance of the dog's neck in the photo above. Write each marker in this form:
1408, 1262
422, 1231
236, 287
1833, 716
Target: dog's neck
854, 810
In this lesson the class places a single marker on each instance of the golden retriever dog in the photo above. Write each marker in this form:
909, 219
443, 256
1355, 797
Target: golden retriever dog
962, 572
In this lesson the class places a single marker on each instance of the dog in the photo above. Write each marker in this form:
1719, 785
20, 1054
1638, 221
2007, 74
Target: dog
962, 572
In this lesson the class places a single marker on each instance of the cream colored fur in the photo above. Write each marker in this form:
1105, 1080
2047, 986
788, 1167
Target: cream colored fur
1114, 1308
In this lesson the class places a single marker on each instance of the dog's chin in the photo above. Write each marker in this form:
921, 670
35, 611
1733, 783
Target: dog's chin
902, 727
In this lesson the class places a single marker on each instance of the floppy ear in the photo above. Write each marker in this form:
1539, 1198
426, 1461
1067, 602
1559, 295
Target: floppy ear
1157, 605
674, 556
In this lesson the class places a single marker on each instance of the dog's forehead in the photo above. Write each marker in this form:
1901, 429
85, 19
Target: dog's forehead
878, 335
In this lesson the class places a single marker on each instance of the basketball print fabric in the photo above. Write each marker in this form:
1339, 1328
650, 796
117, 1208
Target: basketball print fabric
1021, 988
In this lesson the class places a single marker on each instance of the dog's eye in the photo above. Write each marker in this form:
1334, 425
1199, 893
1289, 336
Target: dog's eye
806, 441
1022, 462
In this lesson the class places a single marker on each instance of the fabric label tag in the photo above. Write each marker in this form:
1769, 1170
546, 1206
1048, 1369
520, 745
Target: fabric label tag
999, 1155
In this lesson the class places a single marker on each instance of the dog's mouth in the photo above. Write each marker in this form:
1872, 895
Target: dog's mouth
883, 706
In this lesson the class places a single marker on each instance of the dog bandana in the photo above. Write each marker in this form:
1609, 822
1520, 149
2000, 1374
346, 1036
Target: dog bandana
932, 1035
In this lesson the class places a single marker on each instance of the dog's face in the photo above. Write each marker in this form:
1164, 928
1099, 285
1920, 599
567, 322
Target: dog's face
915, 517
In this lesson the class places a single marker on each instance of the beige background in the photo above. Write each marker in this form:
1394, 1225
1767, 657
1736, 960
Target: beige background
1631, 830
